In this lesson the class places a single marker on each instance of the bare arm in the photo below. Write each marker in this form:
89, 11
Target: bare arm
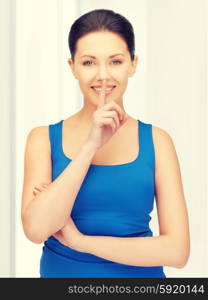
136, 251
49, 211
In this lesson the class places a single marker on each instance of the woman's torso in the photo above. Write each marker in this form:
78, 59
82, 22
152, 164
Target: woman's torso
115, 199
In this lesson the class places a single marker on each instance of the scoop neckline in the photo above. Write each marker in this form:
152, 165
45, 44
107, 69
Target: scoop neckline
118, 165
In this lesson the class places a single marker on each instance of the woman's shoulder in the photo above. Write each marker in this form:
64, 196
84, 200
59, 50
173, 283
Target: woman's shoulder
161, 135
39, 131
39, 136
165, 151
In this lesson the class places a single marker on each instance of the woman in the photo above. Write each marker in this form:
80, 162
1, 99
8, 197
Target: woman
94, 175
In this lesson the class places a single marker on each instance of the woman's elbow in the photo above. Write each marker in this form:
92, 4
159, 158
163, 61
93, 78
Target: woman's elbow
31, 234
183, 257
33, 237
182, 262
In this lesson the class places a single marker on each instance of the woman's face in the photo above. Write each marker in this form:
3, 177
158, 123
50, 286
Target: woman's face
111, 61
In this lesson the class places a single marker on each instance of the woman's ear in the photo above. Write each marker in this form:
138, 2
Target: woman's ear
133, 66
71, 64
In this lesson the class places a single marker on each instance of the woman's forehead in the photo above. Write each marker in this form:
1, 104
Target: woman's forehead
96, 39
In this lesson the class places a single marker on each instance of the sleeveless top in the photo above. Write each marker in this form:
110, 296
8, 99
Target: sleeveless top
113, 200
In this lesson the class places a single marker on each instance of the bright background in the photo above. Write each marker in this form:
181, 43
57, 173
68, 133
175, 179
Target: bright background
168, 90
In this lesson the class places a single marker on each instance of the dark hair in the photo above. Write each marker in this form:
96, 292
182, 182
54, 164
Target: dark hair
101, 20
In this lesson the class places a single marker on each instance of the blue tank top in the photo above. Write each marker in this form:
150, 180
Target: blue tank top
113, 200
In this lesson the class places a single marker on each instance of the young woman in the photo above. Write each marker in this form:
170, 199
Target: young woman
90, 180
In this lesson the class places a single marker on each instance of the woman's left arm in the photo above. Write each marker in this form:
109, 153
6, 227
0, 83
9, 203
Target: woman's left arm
135, 251
172, 246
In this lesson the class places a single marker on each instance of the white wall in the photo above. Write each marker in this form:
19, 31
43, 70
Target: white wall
176, 101
7, 137
168, 90
46, 91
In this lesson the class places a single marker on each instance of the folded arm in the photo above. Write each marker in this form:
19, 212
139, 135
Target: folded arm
135, 251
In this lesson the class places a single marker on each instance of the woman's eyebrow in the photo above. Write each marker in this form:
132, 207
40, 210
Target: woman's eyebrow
109, 56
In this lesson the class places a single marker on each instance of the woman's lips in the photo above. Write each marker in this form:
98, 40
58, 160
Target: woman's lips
107, 91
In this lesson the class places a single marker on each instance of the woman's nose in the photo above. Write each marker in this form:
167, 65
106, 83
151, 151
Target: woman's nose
103, 73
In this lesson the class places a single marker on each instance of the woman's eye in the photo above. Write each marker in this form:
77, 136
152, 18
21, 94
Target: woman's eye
117, 61
85, 63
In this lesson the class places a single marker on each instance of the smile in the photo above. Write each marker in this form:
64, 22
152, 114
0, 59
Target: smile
108, 90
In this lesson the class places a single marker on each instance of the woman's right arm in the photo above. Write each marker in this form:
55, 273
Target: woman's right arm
49, 211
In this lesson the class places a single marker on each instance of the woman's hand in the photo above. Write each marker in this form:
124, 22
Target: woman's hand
39, 188
69, 235
107, 119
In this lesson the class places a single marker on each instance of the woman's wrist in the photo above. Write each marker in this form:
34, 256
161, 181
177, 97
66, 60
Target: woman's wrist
83, 242
89, 147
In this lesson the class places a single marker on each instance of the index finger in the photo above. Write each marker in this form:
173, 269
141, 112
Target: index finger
102, 96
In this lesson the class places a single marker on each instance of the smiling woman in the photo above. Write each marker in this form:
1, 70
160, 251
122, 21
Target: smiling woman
96, 59
103, 169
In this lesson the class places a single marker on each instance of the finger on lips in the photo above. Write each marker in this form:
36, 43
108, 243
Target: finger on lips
102, 94
102, 101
